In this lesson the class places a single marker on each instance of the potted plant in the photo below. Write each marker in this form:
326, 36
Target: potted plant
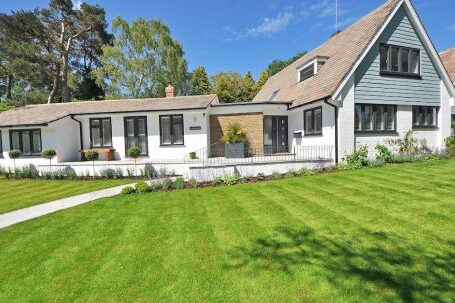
234, 140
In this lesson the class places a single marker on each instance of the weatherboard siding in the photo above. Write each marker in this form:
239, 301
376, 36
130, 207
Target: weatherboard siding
371, 87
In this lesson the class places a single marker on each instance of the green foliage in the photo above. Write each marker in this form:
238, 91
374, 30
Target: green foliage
218, 181
128, 190
49, 154
234, 134
263, 77
291, 174
108, 173
409, 145
277, 65
229, 87
27, 172
200, 84
14, 154
192, 183
179, 183
383, 153
250, 86
134, 152
4, 106
143, 59
450, 144
91, 154
306, 172
277, 175
261, 176
358, 158
192, 155
232, 180
142, 187
166, 184
376, 163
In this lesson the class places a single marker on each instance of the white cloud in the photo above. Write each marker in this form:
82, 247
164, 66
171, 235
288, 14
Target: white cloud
271, 25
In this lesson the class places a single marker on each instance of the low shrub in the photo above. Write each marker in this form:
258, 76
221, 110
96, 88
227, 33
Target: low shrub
358, 158
129, 190
192, 183
118, 173
450, 145
218, 181
179, 183
27, 172
403, 158
376, 163
232, 180
383, 153
261, 176
277, 175
107, 173
166, 184
306, 172
142, 187
291, 174
344, 166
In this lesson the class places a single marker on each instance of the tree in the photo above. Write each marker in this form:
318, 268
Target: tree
70, 25
277, 65
14, 154
250, 86
134, 152
143, 59
230, 87
49, 154
262, 80
200, 84
92, 155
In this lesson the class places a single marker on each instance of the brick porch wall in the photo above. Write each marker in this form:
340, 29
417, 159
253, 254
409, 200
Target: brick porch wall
251, 123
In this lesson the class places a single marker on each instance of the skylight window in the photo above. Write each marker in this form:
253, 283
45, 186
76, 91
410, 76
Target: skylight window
273, 95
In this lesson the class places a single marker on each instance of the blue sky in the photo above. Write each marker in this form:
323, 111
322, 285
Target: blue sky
235, 35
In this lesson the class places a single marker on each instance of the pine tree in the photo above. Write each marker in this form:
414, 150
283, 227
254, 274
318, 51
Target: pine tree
250, 86
200, 84
262, 80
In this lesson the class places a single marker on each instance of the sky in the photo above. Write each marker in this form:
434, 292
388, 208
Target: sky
236, 35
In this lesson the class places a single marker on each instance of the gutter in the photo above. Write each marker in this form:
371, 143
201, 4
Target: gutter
336, 128
81, 136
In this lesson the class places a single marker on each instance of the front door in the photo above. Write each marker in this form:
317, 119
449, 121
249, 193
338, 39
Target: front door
275, 134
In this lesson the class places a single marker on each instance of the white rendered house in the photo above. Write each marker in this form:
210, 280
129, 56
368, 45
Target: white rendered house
373, 81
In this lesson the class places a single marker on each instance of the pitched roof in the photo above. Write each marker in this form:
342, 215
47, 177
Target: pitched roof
342, 50
448, 59
46, 113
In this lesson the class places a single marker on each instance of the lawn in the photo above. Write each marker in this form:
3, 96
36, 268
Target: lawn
371, 235
16, 194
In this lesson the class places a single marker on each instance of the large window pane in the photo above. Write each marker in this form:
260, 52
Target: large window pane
391, 113
36, 141
166, 137
268, 130
424, 116
26, 147
318, 120
136, 133
368, 118
307, 72
380, 118
415, 61
313, 121
177, 129
15, 141
96, 133
358, 117
385, 57
394, 59
107, 132
404, 60
309, 122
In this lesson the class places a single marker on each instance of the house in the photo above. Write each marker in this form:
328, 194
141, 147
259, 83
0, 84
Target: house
371, 82
448, 59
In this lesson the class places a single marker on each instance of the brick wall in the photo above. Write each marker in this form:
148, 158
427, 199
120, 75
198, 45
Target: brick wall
251, 123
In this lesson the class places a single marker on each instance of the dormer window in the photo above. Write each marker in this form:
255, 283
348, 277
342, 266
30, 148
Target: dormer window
310, 69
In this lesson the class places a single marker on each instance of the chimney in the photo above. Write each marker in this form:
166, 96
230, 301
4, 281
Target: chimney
170, 92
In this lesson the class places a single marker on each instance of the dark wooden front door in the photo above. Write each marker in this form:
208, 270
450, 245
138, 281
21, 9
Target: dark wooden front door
275, 134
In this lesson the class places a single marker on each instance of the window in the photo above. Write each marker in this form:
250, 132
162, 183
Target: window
27, 141
101, 132
424, 116
399, 60
375, 118
313, 121
171, 130
306, 73
273, 95
136, 134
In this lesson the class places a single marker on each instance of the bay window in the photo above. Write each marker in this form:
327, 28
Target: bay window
374, 118
28, 141
136, 134
101, 132
171, 129
313, 121
399, 60
425, 116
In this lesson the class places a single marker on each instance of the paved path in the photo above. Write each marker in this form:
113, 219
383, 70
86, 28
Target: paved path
39, 210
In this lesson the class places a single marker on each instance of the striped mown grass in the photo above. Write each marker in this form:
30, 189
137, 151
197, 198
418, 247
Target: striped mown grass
370, 235
16, 194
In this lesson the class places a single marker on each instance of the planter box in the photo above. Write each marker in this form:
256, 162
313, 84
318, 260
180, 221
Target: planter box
234, 150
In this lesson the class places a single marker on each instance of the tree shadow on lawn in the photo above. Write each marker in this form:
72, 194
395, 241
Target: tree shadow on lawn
413, 273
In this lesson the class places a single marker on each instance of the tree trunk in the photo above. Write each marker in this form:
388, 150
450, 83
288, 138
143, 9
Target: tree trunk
66, 90
55, 86
9, 86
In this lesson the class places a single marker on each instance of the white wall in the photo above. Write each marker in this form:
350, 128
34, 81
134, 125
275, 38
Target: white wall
193, 139
67, 139
346, 138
